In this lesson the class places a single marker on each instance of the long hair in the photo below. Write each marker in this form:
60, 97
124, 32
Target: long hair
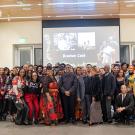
37, 76
20, 71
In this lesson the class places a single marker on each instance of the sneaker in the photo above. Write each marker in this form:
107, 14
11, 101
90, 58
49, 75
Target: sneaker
25, 123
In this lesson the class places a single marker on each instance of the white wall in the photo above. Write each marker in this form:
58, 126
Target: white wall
11, 32
127, 28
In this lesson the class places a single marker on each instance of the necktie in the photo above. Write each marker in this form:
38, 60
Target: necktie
123, 96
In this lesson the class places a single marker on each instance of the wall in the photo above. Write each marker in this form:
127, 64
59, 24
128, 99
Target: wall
127, 28
11, 32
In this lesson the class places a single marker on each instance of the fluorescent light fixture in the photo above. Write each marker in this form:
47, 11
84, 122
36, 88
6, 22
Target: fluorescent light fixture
76, 3
78, 15
16, 5
121, 14
25, 17
21, 17
127, 14
3, 18
20, 5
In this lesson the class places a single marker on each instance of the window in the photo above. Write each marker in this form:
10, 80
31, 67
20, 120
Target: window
124, 53
25, 56
38, 56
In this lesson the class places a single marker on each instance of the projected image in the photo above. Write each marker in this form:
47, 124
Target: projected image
65, 41
107, 52
81, 45
86, 40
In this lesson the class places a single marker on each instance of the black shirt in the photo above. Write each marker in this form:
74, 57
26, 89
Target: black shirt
33, 87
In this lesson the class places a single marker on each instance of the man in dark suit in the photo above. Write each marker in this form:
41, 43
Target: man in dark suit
68, 86
124, 105
108, 88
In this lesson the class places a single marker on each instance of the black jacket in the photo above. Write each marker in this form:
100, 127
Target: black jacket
108, 84
68, 82
87, 83
96, 87
32, 87
128, 102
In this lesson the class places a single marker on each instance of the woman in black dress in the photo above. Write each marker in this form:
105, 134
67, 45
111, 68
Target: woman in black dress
96, 111
120, 80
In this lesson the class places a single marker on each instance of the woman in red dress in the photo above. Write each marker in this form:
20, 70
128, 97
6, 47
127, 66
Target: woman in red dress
50, 104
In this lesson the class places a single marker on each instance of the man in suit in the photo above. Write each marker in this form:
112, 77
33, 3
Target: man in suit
124, 105
87, 98
108, 88
68, 86
80, 92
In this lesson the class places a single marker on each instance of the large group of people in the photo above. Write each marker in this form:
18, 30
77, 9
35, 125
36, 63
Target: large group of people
36, 94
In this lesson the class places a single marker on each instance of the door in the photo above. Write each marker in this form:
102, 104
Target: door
124, 53
38, 56
25, 56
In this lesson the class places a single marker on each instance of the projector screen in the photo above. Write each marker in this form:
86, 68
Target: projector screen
81, 45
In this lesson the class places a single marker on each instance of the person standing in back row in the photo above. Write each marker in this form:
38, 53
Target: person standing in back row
86, 102
68, 86
108, 87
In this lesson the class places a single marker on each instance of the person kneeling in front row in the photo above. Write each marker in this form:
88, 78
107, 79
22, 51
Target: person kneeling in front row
124, 105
